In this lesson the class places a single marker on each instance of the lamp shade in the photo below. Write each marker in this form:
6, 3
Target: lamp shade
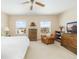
6, 29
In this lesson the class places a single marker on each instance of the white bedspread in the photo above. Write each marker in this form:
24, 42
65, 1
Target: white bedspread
14, 47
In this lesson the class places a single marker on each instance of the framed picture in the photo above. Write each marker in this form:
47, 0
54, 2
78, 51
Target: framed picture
72, 27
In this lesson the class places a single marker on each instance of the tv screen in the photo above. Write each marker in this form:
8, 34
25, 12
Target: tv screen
72, 27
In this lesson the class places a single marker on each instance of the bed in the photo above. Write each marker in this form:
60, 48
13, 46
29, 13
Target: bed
14, 47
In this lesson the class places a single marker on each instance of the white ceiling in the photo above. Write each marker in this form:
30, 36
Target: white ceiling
15, 7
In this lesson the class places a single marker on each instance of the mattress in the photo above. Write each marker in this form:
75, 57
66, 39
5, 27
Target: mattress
14, 47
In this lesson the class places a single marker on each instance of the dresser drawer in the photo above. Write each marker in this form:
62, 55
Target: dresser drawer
64, 40
72, 42
69, 41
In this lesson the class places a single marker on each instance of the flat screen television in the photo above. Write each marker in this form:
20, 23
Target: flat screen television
72, 27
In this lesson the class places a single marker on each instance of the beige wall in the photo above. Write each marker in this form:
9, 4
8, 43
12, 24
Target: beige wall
68, 16
4, 20
59, 20
29, 19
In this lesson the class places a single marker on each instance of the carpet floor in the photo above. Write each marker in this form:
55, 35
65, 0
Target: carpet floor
39, 50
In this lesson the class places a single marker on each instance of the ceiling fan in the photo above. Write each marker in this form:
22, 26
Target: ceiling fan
32, 1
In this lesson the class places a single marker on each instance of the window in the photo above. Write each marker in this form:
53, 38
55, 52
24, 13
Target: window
21, 27
45, 26
20, 24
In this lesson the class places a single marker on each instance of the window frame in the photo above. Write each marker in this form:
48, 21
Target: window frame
49, 27
19, 29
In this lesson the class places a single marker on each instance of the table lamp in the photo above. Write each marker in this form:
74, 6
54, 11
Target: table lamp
6, 30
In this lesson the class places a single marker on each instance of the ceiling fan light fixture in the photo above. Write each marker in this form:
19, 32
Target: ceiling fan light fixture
32, 2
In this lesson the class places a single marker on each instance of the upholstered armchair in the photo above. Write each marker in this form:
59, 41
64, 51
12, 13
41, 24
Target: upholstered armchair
48, 39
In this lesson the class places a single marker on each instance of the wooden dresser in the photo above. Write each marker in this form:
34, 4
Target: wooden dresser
33, 34
69, 41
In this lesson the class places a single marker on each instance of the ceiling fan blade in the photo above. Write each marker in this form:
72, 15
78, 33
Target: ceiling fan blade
40, 4
25, 2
